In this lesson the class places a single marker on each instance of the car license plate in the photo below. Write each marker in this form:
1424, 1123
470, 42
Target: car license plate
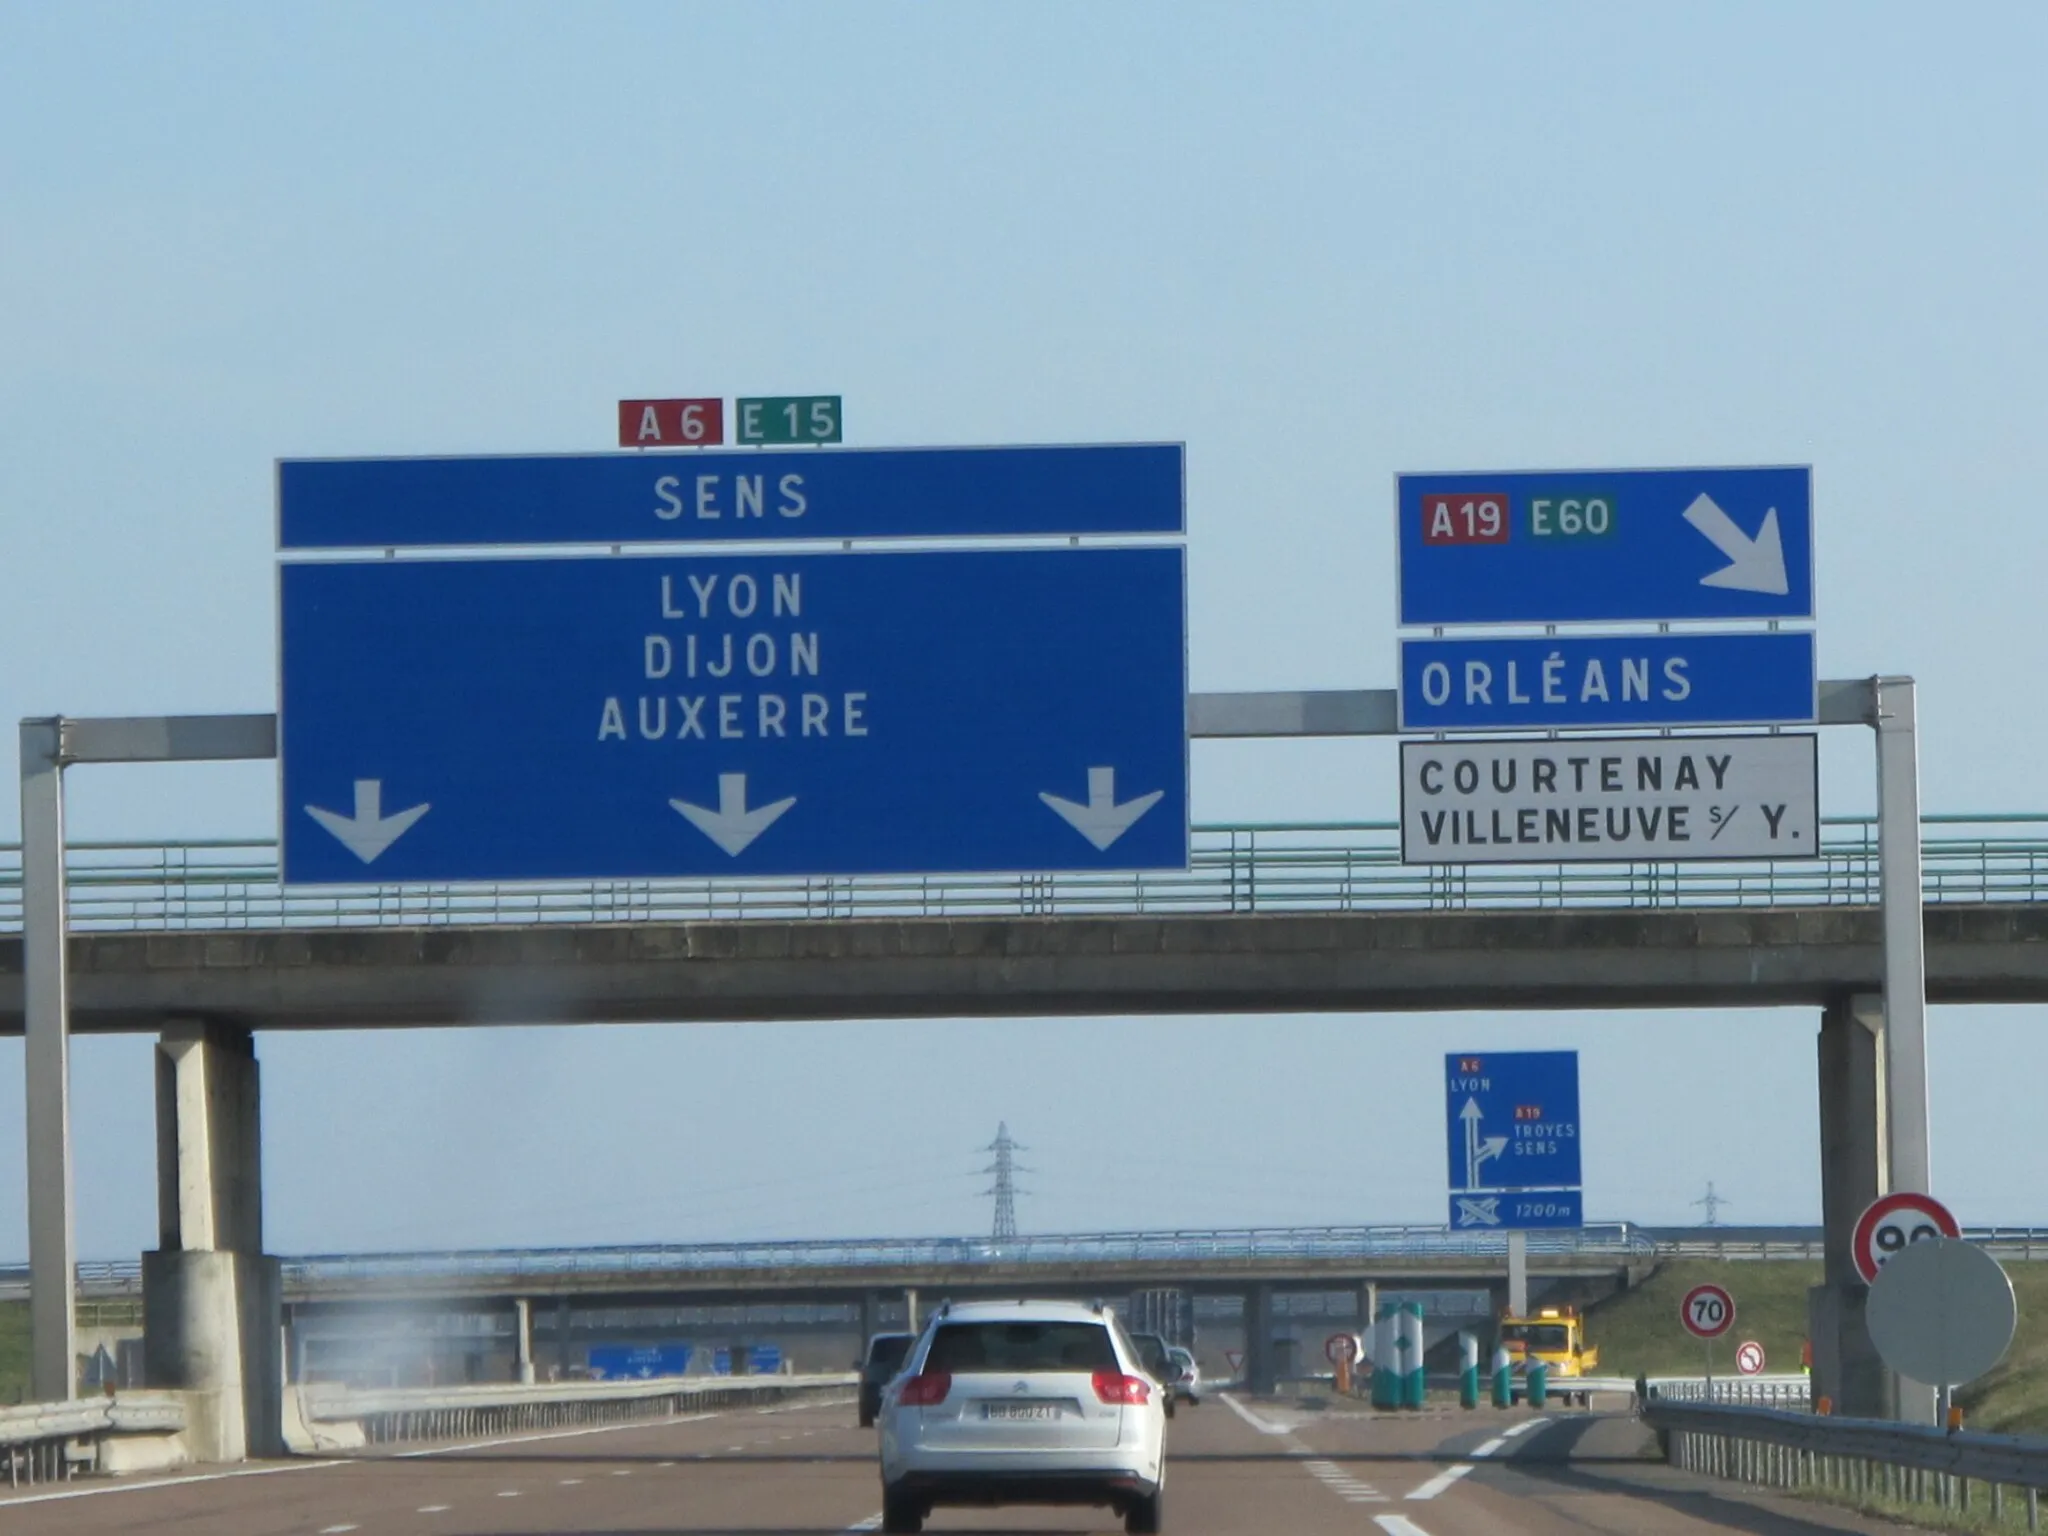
1020, 1410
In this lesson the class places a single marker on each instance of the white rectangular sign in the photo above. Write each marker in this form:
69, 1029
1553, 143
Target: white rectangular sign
1610, 799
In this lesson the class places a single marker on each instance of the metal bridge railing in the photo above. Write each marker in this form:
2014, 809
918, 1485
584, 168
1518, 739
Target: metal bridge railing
1235, 868
1619, 1240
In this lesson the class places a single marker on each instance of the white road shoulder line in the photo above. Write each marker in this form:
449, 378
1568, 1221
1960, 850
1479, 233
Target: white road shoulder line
1489, 1448
1398, 1525
868, 1524
165, 1482
1522, 1428
1263, 1426
1441, 1481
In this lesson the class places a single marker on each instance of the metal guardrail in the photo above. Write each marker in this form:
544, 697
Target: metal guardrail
1863, 1460
1236, 868
53, 1442
1790, 1390
390, 1415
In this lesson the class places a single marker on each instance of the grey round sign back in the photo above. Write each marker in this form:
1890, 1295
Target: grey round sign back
1941, 1312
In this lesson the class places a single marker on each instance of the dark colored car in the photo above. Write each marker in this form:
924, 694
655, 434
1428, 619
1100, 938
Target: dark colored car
885, 1355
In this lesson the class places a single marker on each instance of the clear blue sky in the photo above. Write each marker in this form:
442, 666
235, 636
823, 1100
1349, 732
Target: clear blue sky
1319, 244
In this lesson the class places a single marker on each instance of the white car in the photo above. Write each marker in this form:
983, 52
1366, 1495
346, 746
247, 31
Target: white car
1023, 1402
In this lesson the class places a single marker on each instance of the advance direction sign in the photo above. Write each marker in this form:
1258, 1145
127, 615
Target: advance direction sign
1513, 1121
627, 717
1707, 1311
1892, 1222
713, 497
1487, 682
1610, 799
1596, 546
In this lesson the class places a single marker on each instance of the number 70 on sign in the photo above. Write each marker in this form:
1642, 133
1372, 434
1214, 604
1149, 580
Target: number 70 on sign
1707, 1311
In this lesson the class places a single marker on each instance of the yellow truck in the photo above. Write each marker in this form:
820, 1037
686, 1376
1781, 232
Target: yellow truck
1554, 1335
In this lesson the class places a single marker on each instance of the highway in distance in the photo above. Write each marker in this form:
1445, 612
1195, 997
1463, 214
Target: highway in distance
1235, 1468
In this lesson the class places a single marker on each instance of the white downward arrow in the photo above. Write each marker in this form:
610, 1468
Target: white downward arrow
1756, 565
732, 826
369, 832
1102, 821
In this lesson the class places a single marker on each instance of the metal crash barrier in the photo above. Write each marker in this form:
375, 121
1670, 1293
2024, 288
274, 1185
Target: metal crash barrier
1865, 1460
54, 1442
394, 1415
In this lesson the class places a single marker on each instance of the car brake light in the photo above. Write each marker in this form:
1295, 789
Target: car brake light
926, 1389
1116, 1387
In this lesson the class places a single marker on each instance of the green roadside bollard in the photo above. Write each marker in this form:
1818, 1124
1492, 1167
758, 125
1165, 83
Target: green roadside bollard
1386, 1369
1539, 1383
1414, 1381
1468, 1371
1503, 1378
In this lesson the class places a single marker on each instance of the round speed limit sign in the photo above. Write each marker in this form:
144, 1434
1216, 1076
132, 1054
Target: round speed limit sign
1707, 1311
1891, 1223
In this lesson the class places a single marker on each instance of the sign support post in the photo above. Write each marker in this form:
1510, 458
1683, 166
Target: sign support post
46, 1059
48, 747
1905, 958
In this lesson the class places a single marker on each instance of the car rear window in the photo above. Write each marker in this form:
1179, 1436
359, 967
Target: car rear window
887, 1354
968, 1347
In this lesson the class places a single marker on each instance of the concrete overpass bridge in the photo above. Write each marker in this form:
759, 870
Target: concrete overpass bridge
1270, 918
199, 942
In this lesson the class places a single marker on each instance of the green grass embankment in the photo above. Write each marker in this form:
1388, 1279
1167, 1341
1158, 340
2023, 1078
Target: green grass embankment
1639, 1333
13, 1351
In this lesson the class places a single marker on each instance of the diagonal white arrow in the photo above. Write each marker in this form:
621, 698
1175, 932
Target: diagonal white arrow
732, 826
1102, 821
369, 832
1755, 565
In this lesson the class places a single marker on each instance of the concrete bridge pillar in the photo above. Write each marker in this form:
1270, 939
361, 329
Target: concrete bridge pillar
212, 1310
1261, 1368
870, 1319
1854, 1171
522, 1323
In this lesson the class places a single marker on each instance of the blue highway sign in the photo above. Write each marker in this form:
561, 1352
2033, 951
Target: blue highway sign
1517, 1210
1513, 1120
702, 498
1492, 682
1606, 545
636, 716
621, 1362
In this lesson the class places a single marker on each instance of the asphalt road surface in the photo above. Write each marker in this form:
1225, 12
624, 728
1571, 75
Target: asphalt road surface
1235, 1468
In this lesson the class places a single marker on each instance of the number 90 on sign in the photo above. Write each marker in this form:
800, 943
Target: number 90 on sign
1707, 1311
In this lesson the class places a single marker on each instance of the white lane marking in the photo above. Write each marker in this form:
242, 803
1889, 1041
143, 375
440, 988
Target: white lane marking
1263, 1426
508, 1493
335, 1530
621, 1472
1398, 1525
868, 1524
571, 1482
1441, 1481
1489, 1448
166, 1482
1522, 1428
546, 1434
664, 1464
434, 1509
